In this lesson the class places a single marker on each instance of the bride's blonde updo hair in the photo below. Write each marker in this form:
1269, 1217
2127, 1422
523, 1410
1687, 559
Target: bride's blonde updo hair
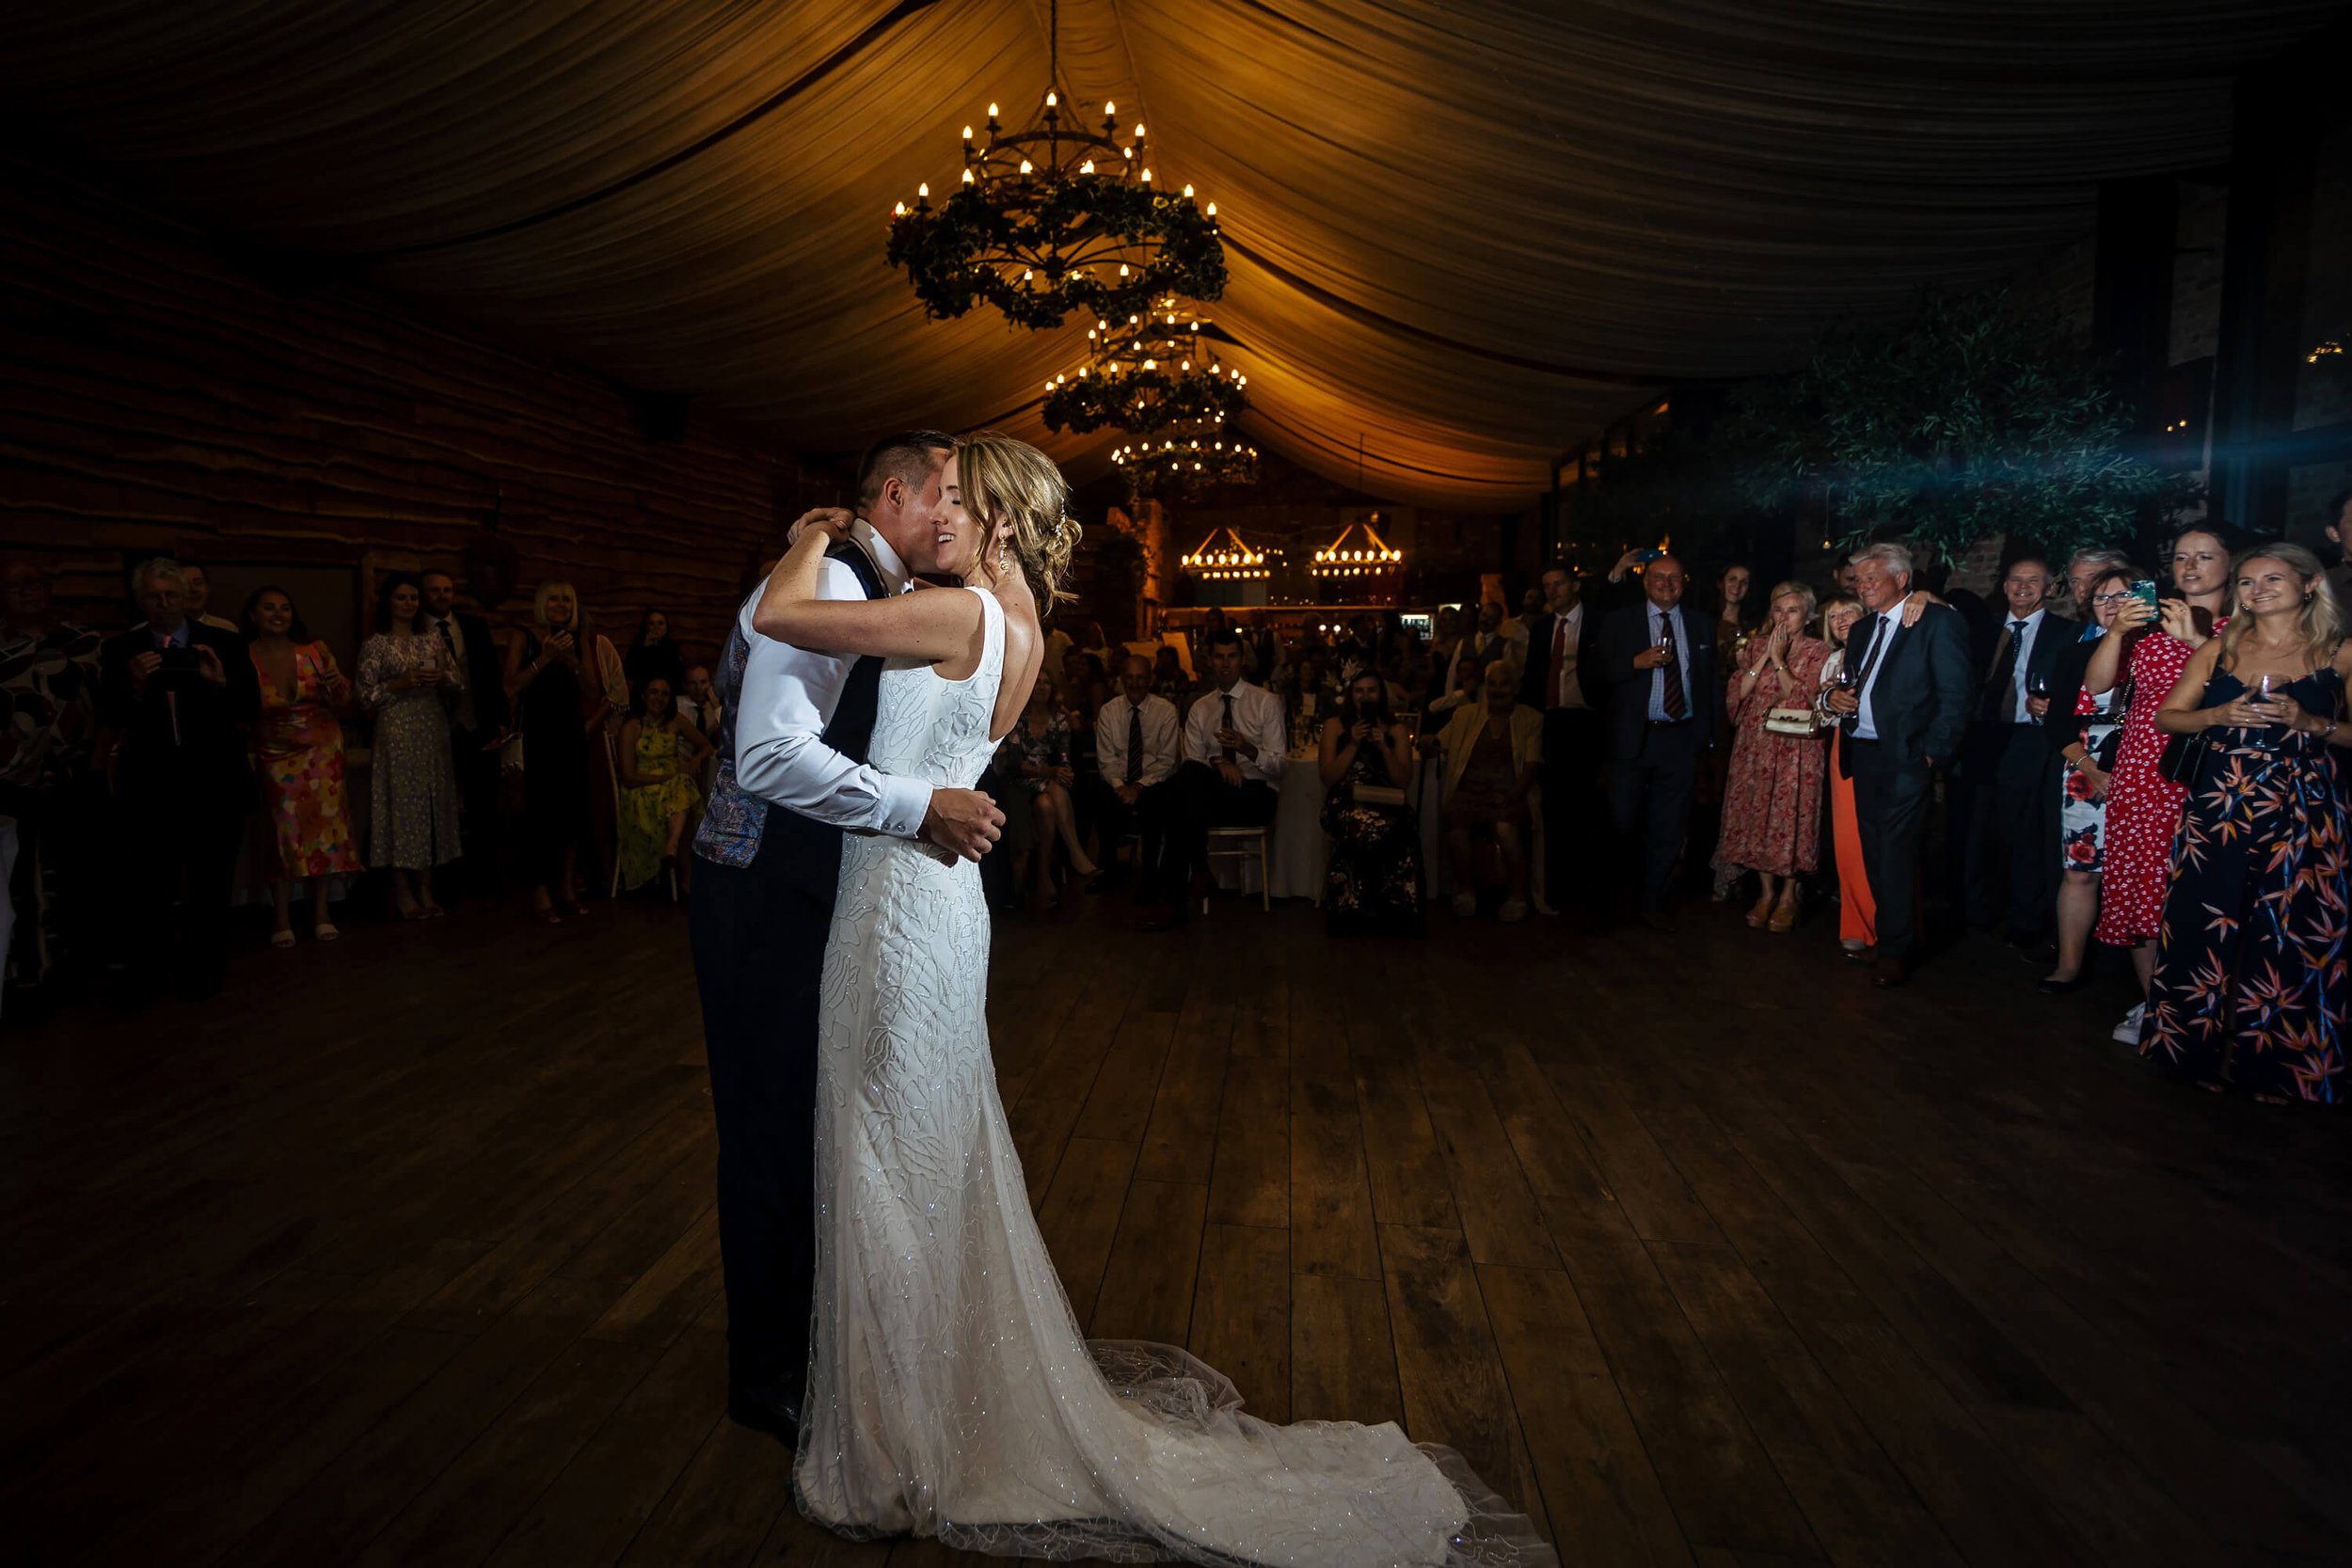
1017, 493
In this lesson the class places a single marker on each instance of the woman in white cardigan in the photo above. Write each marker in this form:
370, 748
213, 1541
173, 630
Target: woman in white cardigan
1492, 751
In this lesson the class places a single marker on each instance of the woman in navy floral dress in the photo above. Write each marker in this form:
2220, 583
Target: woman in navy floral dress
2250, 980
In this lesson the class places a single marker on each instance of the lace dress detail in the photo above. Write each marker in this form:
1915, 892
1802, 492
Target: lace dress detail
951, 1392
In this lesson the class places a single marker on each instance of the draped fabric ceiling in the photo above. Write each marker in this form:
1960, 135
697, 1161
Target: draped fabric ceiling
1462, 233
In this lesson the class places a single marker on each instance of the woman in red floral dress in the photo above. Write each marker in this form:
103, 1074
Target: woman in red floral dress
2144, 807
1772, 795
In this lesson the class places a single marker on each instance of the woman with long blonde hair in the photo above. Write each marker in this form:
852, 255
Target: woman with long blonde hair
2250, 990
949, 1391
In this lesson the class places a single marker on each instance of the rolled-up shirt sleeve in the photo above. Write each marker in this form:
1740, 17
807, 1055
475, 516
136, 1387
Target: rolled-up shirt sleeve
780, 753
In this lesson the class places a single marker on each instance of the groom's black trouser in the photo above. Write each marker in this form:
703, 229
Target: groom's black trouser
759, 957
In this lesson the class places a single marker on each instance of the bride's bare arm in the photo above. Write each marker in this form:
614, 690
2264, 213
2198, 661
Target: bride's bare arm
934, 627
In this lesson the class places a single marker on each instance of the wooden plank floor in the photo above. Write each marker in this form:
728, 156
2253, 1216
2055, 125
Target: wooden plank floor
1701, 1251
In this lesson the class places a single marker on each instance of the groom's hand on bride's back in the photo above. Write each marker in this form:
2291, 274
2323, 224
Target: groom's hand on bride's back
963, 820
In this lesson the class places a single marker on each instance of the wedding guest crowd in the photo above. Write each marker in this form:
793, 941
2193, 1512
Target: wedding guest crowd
2117, 758
151, 778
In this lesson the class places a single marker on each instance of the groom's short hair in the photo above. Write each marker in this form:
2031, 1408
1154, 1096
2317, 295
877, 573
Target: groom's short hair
909, 456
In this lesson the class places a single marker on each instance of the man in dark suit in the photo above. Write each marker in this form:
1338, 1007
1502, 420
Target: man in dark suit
1660, 665
1562, 682
1905, 715
176, 694
2013, 819
477, 722
792, 780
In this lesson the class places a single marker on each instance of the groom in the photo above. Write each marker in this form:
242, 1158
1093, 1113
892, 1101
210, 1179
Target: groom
792, 779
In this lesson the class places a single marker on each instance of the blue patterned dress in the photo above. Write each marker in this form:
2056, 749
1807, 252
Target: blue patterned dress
2250, 980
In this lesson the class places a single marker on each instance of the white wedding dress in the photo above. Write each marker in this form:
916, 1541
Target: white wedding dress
951, 1392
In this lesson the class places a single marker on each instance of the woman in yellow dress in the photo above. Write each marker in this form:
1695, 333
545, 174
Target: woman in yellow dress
660, 759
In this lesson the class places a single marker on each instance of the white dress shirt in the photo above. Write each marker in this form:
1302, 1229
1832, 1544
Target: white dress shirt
1258, 718
1161, 746
1864, 725
788, 697
1568, 632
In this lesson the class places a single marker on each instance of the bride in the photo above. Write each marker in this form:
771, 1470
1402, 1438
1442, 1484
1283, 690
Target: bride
951, 1392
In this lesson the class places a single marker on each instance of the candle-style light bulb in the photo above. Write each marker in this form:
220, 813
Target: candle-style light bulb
1187, 190
1052, 99
1109, 108
967, 132
992, 111
1212, 208
923, 191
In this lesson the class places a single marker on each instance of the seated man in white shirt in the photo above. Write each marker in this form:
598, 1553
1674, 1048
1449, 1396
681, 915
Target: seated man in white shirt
1137, 748
1235, 743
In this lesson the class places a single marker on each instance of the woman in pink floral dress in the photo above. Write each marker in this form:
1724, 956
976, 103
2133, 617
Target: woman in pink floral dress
1773, 795
2144, 807
298, 750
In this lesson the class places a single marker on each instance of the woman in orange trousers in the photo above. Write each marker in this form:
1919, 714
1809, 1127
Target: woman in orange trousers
1857, 915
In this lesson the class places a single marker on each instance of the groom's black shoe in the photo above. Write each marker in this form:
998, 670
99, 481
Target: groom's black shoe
769, 1407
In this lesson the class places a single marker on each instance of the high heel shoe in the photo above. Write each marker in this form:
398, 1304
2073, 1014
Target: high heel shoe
1762, 913
1785, 917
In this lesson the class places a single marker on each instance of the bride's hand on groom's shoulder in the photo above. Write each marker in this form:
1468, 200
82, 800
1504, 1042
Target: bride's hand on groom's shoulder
832, 521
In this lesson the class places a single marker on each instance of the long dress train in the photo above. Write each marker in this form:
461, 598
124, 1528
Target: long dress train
951, 1392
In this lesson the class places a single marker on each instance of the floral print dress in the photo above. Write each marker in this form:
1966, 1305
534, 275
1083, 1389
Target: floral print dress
2250, 982
646, 809
2083, 821
1024, 744
1372, 881
1772, 793
298, 745
412, 792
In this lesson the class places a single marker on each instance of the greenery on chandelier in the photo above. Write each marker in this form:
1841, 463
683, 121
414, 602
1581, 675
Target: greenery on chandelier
1972, 417
1142, 398
975, 248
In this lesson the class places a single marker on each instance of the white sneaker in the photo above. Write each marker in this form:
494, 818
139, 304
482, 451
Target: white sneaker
2128, 1031
1465, 904
1852, 944
1512, 910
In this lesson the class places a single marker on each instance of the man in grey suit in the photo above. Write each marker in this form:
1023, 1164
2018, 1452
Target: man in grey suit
1905, 715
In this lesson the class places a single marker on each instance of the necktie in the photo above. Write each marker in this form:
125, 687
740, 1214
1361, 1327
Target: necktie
1880, 635
1229, 754
1677, 703
1135, 744
1558, 652
2000, 694
449, 642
